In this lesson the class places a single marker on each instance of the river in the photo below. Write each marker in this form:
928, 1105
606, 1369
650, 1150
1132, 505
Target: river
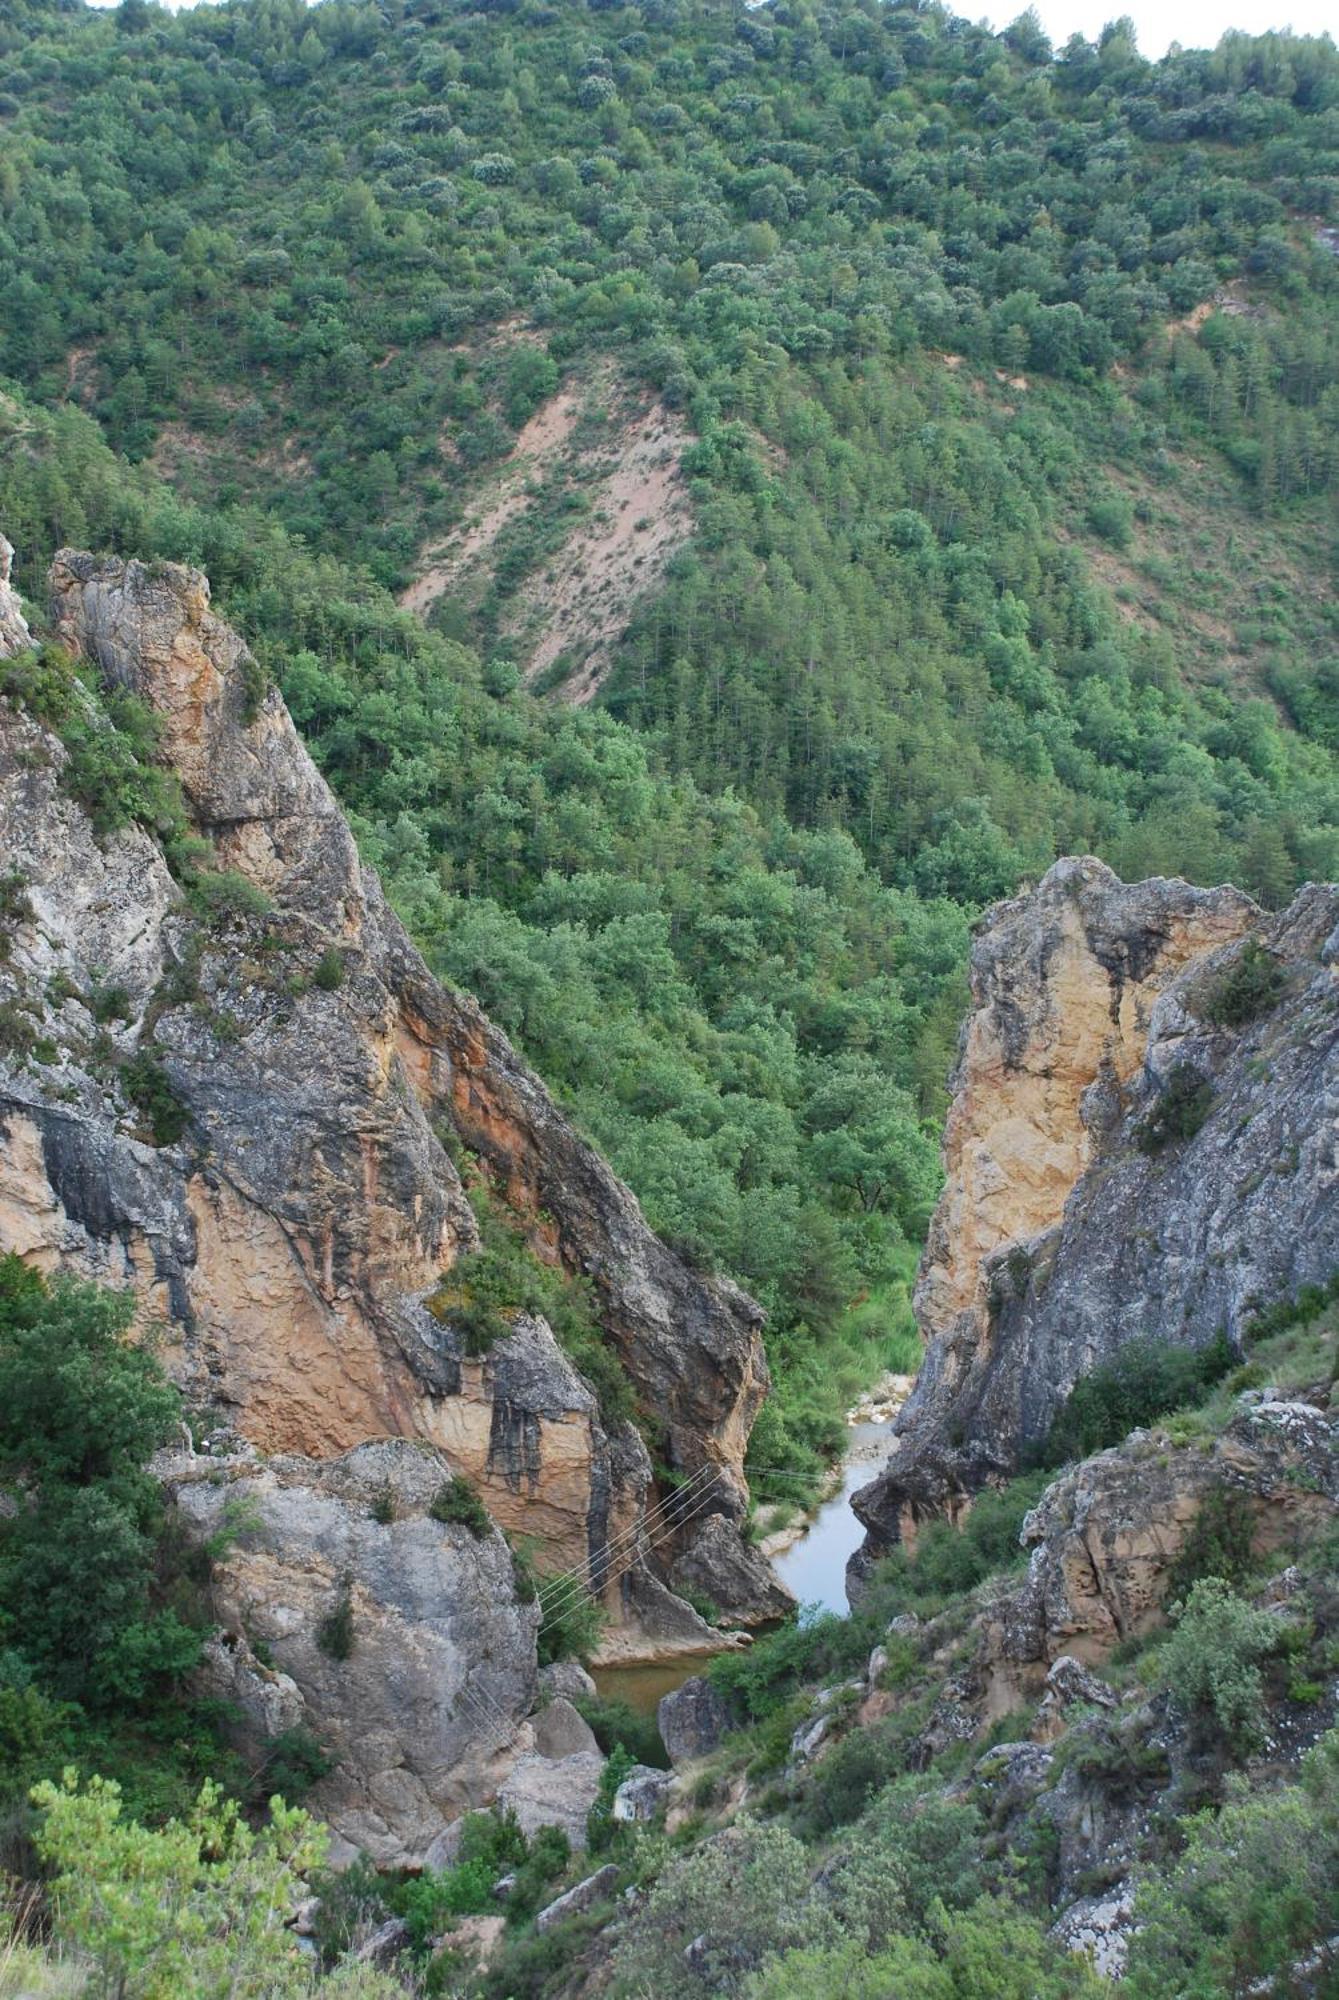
811, 1561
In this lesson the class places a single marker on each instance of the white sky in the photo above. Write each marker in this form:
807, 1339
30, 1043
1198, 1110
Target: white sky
1196, 24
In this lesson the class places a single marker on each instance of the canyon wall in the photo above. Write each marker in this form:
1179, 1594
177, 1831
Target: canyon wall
284, 1235
1059, 1235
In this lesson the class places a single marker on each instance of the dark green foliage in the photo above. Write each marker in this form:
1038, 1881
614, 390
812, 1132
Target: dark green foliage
329, 973
353, 1901
491, 1845
1249, 988
336, 1634
602, 1828
218, 894
456, 1503
112, 767
80, 1412
295, 1760
43, 682
1144, 1380
382, 1508
110, 1003
571, 1626
1219, 1543
15, 909
1307, 1305
1183, 1104
617, 1723
150, 1089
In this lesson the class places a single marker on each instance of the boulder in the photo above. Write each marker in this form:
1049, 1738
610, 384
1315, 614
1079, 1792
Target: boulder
567, 1678
693, 1718
593, 1890
642, 1793
384, 1946
559, 1731
549, 1791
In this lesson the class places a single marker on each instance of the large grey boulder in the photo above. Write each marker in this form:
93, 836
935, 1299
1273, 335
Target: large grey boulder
547, 1791
423, 1708
692, 1718
593, 1890
567, 1678
559, 1731
641, 1794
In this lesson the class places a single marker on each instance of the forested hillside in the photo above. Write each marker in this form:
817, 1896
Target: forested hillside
1005, 387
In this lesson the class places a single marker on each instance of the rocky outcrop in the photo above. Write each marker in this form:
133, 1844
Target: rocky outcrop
243, 1100
346, 1608
693, 1718
1107, 1534
1059, 1236
14, 633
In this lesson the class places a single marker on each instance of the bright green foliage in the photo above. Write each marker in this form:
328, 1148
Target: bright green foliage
1210, 1664
601, 1827
197, 1910
81, 1409
990, 1951
616, 1722
492, 1844
1143, 1380
1220, 1542
1256, 1891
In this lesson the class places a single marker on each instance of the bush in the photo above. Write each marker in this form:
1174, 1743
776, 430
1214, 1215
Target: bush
335, 1634
571, 1627
1210, 1663
1250, 987
457, 1504
329, 973
1219, 1543
1254, 1893
151, 1090
618, 1725
1142, 1381
491, 1845
81, 1411
1181, 1109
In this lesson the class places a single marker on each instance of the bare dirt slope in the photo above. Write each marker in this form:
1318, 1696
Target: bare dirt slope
571, 531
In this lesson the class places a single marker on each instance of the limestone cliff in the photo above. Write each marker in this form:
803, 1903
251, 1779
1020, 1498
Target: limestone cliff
289, 1232
1058, 1236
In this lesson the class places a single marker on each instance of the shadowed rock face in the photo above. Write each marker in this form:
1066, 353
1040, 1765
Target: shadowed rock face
1057, 1239
291, 1235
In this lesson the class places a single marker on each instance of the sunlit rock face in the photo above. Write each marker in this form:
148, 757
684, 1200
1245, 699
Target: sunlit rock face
1058, 1238
285, 1239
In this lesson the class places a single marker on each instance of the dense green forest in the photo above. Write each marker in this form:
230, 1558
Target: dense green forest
987, 564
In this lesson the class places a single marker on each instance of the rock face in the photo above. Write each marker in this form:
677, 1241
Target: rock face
419, 1700
288, 1226
1058, 1238
14, 634
692, 1719
1106, 1535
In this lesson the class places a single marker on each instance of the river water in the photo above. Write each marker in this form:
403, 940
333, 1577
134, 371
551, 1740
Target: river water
813, 1567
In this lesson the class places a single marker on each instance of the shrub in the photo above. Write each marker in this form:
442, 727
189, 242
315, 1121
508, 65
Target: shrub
1254, 1893
1210, 1663
329, 973
150, 1089
1219, 1542
15, 908
738, 1899
1141, 1382
1181, 1109
571, 1626
618, 1725
295, 1761
1250, 987
42, 681
457, 1504
81, 1411
221, 893
601, 1825
1112, 517
335, 1634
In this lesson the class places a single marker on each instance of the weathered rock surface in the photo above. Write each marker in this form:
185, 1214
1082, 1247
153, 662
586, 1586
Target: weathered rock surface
1057, 1238
1105, 1536
559, 1731
14, 633
420, 1714
642, 1793
593, 1890
554, 1791
290, 1237
692, 1719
